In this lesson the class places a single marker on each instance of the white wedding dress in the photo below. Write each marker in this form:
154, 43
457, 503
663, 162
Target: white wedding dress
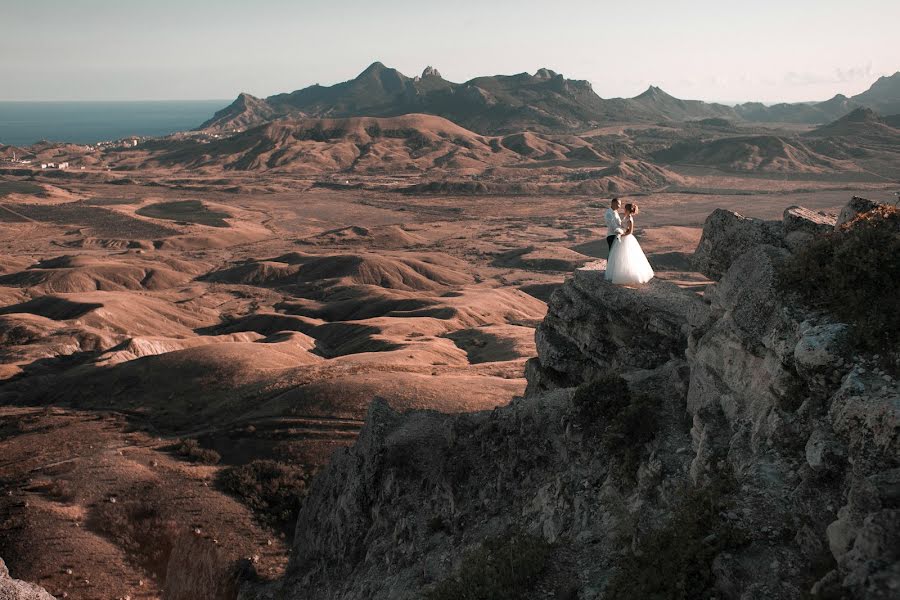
627, 264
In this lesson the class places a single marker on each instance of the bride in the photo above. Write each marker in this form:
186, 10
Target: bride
627, 264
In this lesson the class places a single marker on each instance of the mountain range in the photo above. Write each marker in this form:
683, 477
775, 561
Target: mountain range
545, 101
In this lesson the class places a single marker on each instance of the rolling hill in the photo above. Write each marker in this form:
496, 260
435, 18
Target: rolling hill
861, 123
760, 153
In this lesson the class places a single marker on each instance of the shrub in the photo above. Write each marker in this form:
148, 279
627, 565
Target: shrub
620, 423
61, 490
854, 274
686, 546
140, 529
273, 490
597, 402
502, 568
191, 450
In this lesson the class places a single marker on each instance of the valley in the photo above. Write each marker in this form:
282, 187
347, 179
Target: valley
191, 322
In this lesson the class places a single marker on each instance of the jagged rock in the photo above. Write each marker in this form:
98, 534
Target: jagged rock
747, 295
823, 451
727, 235
394, 514
797, 218
739, 364
873, 563
821, 348
15, 589
801, 225
856, 206
865, 413
593, 326
430, 72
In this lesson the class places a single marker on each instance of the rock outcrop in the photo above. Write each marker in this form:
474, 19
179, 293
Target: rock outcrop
726, 236
856, 206
800, 225
15, 589
757, 456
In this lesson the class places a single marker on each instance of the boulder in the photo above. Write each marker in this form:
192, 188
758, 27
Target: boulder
865, 414
856, 206
747, 291
823, 451
797, 218
15, 589
801, 225
726, 236
873, 563
593, 326
821, 349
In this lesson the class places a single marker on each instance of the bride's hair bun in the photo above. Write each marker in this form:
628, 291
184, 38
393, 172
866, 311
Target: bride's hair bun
631, 207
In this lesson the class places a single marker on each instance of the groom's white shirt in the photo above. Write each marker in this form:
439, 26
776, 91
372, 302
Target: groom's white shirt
613, 222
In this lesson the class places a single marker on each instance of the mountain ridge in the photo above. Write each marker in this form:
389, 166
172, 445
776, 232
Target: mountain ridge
545, 101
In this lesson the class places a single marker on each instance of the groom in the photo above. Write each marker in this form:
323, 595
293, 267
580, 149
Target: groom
613, 222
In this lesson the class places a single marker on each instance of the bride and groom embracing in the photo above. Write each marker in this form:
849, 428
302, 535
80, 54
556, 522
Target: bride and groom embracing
626, 264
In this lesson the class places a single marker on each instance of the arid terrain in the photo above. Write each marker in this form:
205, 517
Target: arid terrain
255, 291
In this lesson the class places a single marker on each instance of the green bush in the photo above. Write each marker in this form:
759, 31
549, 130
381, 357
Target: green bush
854, 273
621, 424
273, 490
502, 568
686, 548
192, 451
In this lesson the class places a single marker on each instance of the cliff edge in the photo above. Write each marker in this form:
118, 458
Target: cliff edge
670, 444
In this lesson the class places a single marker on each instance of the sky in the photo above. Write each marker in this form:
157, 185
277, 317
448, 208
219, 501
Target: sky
726, 51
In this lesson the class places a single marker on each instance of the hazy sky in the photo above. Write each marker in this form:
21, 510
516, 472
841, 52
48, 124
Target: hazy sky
767, 50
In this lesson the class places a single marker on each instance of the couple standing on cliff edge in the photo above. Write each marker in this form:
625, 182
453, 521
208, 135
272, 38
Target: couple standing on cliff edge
626, 264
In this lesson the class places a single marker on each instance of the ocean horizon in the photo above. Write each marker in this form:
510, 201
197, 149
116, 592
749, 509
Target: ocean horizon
86, 122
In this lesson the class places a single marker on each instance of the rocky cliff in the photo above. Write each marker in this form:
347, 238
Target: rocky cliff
15, 589
745, 453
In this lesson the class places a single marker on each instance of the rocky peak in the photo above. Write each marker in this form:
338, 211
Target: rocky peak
545, 73
430, 72
245, 100
862, 115
374, 69
653, 93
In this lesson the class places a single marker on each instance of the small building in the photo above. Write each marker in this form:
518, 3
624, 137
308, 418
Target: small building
63, 165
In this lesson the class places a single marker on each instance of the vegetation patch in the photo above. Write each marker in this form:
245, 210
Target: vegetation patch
502, 568
621, 423
191, 450
854, 274
140, 529
187, 211
686, 547
20, 187
273, 490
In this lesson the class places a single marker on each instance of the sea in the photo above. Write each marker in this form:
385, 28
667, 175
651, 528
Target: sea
24, 123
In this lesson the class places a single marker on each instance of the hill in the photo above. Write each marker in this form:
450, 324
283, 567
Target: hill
658, 102
766, 153
412, 142
863, 123
883, 96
